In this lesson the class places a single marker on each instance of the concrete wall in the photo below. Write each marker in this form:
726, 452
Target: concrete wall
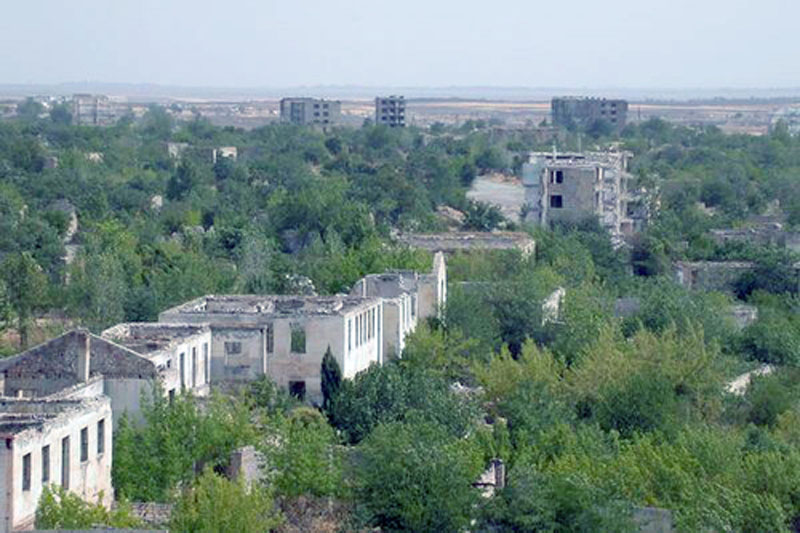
710, 275
86, 478
126, 395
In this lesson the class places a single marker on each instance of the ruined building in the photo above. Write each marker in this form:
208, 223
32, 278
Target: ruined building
95, 110
569, 186
390, 111
583, 113
311, 111
470, 241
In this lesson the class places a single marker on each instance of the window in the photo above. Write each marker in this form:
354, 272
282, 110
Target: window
169, 363
556, 201
413, 306
101, 437
205, 362
65, 462
270, 339
183, 370
171, 395
349, 334
26, 472
298, 339
84, 444
559, 176
298, 389
233, 348
194, 366
45, 464
357, 343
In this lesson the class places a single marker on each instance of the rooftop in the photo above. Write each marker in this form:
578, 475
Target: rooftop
579, 159
272, 305
150, 337
17, 415
465, 241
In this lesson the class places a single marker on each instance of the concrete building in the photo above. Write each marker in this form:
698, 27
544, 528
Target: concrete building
311, 111
463, 241
95, 110
711, 275
181, 353
408, 297
583, 113
568, 187
52, 441
759, 235
285, 337
390, 111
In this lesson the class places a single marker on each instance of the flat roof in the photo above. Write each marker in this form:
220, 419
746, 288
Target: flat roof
150, 337
17, 415
455, 241
277, 306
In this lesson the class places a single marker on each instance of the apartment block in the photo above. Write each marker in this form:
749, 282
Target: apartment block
390, 111
582, 112
311, 111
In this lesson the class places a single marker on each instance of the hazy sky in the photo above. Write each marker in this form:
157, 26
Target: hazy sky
533, 43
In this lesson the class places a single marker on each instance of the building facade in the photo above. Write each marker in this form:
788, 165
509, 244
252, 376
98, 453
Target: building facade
285, 337
584, 113
57, 441
570, 186
390, 111
311, 111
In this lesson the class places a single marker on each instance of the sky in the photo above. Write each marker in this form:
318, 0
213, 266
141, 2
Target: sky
405, 43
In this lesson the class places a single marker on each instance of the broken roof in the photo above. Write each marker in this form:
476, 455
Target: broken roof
17, 415
147, 338
467, 241
273, 305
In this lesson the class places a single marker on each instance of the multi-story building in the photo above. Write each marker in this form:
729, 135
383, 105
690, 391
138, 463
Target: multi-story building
95, 110
568, 187
580, 112
285, 337
181, 353
390, 111
62, 441
408, 297
311, 111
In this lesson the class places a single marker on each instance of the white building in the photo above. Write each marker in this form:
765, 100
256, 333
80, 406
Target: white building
57, 441
285, 337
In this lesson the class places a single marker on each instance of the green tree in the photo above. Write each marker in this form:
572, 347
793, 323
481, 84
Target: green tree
26, 290
417, 477
64, 510
216, 505
61, 114
331, 379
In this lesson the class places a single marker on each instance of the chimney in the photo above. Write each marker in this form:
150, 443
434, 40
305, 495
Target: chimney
84, 355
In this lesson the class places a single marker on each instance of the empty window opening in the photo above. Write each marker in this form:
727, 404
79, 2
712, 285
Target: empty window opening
65, 462
101, 437
194, 367
26, 472
298, 389
556, 201
233, 348
270, 339
298, 339
84, 444
183, 370
45, 464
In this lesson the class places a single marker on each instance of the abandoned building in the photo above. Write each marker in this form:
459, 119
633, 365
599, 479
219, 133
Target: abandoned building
96, 110
711, 275
408, 297
581, 112
56, 440
462, 241
570, 186
311, 111
180, 352
390, 111
772, 234
285, 337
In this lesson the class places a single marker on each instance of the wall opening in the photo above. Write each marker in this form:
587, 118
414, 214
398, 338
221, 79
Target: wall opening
556, 201
298, 389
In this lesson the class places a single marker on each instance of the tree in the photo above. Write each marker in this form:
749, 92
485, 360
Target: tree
417, 477
26, 290
331, 379
60, 114
60, 509
216, 505
29, 109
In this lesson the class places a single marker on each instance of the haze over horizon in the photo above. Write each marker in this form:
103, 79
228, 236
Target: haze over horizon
248, 44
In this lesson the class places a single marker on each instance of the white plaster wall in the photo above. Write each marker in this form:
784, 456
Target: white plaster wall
126, 397
87, 479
